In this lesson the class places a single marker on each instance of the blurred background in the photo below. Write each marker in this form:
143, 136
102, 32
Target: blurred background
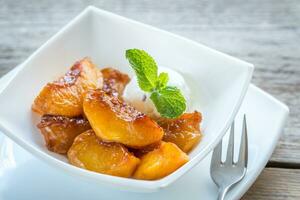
263, 32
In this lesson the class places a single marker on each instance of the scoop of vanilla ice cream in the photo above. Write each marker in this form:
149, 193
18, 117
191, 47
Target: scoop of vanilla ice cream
141, 100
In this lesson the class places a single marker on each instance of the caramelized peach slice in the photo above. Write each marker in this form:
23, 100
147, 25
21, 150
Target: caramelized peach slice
114, 81
90, 153
64, 96
59, 132
183, 131
160, 162
115, 121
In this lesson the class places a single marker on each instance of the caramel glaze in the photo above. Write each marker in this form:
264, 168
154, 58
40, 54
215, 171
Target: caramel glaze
71, 76
119, 107
114, 81
49, 120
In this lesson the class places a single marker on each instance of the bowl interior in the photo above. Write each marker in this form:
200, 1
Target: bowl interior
218, 82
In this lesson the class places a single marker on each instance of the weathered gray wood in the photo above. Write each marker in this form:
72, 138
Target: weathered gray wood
272, 184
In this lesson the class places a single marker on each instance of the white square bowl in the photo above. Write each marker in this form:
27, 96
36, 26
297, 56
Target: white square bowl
218, 82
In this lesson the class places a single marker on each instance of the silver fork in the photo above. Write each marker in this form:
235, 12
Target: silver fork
227, 174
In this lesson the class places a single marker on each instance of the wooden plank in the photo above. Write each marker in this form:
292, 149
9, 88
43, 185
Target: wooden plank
266, 33
275, 184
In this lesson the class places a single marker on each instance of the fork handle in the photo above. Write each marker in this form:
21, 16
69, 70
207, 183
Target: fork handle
222, 193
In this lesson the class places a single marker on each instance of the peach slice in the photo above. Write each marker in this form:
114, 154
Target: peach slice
64, 96
59, 132
183, 131
90, 153
115, 121
160, 162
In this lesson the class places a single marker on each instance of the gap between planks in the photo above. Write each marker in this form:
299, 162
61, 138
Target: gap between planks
283, 165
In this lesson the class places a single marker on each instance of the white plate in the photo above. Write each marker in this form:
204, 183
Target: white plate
24, 177
218, 83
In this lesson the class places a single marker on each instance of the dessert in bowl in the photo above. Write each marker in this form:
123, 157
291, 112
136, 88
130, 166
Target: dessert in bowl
144, 136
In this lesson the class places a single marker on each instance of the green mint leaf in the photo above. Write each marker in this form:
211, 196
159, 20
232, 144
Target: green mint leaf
169, 102
145, 68
162, 80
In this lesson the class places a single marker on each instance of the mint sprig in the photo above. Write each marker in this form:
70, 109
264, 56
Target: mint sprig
169, 101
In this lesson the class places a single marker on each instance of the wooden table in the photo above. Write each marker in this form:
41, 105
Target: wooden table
263, 32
